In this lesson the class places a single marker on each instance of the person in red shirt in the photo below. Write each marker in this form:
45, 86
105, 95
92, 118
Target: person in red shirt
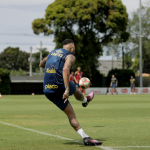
77, 77
71, 78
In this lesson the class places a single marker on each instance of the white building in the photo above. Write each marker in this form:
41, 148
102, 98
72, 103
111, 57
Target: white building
106, 65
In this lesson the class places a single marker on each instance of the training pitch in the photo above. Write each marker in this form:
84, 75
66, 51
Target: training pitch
121, 122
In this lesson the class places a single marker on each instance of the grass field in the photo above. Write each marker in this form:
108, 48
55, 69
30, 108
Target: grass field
119, 121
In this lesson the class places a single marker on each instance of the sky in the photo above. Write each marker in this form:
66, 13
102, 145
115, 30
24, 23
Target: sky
16, 18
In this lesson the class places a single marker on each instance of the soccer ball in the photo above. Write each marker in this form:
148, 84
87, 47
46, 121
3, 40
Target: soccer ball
84, 83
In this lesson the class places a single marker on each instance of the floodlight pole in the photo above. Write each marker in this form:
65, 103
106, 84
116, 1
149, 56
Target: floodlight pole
140, 47
30, 61
40, 54
122, 57
112, 57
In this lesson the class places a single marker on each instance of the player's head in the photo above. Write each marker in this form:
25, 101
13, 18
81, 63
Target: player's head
113, 76
69, 45
131, 77
72, 72
79, 69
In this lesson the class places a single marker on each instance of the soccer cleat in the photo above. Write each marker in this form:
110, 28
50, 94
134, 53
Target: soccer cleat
91, 142
89, 98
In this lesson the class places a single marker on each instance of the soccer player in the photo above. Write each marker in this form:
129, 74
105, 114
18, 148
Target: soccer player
77, 77
71, 78
113, 84
57, 87
132, 81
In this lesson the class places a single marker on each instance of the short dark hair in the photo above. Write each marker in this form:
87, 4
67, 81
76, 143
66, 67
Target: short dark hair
67, 41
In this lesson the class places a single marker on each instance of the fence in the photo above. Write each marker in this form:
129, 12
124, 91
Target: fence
121, 90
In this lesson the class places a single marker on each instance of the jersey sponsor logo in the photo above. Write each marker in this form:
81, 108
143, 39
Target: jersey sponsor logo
51, 86
58, 53
50, 71
124, 90
145, 90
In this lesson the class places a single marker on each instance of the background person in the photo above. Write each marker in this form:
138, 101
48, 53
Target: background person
71, 78
114, 84
132, 81
78, 75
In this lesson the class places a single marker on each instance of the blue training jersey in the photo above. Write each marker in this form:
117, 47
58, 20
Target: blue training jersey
53, 74
113, 80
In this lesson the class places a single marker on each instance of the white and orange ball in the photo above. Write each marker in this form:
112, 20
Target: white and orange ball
84, 83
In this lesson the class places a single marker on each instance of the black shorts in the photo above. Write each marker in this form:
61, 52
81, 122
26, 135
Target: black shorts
132, 86
57, 99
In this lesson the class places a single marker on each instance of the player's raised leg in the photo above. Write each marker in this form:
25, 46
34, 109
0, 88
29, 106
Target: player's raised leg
75, 124
80, 97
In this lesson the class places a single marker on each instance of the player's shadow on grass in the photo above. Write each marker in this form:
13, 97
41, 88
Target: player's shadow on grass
80, 144
99, 126
73, 143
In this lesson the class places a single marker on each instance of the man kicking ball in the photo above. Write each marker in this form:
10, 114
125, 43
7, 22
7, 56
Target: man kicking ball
57, 87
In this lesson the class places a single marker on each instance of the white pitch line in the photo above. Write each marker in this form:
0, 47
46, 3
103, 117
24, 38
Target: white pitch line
138, 146
131, 146
52, 135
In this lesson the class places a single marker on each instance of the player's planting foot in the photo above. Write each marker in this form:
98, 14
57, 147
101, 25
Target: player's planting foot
91, 142
89, 98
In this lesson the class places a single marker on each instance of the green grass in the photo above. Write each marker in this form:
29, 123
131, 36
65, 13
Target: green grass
116, 120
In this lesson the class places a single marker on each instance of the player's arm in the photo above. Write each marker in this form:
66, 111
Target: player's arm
43, 62
116, 83
70, 59
110, 83
69, 77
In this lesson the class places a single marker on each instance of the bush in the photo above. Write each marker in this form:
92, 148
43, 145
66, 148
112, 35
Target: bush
20, 72
146, 82
97, 79
5, 81
123, 76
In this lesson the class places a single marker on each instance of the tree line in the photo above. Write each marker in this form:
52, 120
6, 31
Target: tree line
96, 27
16, 60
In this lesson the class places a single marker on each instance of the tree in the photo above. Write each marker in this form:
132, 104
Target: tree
91, 24
5, 81
13, 58
35, 65
133, 28
127, 61
20, 72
